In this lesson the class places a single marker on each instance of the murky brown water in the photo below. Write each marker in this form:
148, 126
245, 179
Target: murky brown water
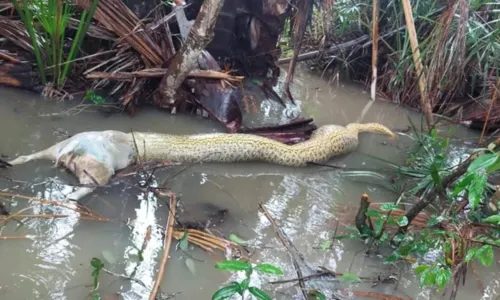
54, 262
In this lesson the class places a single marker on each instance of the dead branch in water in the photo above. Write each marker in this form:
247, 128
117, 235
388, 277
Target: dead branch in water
287, 244
169, 229
379, 296
80, 209
186, 58
14, 237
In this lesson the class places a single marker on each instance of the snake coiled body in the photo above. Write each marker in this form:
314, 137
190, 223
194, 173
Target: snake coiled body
95, 156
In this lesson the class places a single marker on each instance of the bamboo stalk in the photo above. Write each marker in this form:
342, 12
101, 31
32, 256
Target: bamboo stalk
169, 230
422, 78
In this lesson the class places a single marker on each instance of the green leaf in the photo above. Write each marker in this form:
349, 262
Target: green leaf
392, 258
471, 254
482, 162
96, 263
349, 277
378, 225
428, 277
476, 189
226, 292
269, 269
244, 285
485, 255
372, 213
495, 219
442, 277
317, 294
494, 167
326, 245
258, 293
402, 221
233, 265
421, 268
237, 239
388, 206
462, 185
435, 220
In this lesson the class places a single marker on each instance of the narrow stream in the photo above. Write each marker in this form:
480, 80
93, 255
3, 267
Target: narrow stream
54, 263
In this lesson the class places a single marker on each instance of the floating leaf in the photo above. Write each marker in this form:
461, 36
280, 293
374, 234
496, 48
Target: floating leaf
190, 265
349, 277
237, 239
233, 265
109, 257
326, 245
258, 293
269, 269
317, 294
226, 292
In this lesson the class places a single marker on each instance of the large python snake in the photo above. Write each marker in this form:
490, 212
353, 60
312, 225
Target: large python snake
95, 156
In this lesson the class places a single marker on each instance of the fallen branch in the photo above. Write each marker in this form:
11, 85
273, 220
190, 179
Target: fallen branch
159, 72
355, 43
283, 240
169, 229
14, 237
375, 295
84, 211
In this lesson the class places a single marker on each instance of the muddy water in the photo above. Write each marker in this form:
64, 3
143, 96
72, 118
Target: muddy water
54, 262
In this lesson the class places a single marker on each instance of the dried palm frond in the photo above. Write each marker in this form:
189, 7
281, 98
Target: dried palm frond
118, 18
16, 32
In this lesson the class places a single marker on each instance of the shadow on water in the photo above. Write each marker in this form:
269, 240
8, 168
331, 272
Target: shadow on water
55, 262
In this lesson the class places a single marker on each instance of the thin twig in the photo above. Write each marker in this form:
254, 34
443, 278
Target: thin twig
281, 236
169, 230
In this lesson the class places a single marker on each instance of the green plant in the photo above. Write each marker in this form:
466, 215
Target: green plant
91, 96
97, 266
240, 287
46, 22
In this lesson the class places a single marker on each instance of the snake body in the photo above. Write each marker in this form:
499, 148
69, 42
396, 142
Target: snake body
95, 156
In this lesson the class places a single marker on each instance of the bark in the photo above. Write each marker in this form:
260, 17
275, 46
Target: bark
186, 59
300, 24
20, 76
361, 217
327, 18
422, 78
